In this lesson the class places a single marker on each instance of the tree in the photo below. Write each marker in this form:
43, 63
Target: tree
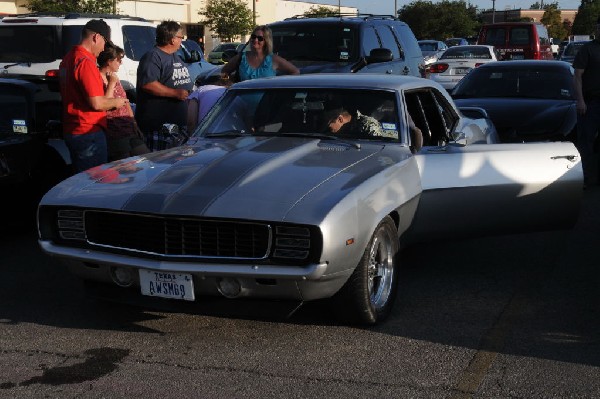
587, 15
76, 6
321, 11
536, 6
441, 20
552, 20
229, 19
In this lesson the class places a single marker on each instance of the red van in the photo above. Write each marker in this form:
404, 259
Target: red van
517, 40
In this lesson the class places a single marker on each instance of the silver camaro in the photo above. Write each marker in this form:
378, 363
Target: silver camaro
303, 188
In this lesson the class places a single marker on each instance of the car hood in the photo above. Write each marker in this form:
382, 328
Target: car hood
322, 67
250, 178
516, 118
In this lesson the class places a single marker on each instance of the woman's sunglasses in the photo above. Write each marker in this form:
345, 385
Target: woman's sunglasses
259, 38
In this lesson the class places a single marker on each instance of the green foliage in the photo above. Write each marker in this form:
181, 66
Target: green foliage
552, 20
440, 20
80, 6
536, 6
587, 15
229, 19
321, 11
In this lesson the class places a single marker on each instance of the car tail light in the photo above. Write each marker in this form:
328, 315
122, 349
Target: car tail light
478, 64
537, 55
52, 73
438, 68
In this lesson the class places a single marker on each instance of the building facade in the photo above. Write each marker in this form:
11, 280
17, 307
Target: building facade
186, 13
490, 16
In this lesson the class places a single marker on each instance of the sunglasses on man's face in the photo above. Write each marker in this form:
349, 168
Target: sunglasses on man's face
259, 38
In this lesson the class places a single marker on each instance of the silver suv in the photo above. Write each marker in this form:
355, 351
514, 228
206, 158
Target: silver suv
32, 45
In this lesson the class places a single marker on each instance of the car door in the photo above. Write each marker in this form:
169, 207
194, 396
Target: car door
478, 189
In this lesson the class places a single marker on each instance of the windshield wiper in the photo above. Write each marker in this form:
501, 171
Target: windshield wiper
229, 133
18, 63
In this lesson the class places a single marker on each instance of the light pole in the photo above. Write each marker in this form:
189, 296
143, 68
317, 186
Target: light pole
493, 11
395, 8
253, 13
339, 6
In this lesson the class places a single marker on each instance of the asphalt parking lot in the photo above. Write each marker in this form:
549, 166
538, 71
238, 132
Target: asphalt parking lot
512, 316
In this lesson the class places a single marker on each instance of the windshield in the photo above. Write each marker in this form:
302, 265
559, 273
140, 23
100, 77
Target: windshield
428, 46
280, 112
316, 43
225, 46
572, 49
504, 82
29, 44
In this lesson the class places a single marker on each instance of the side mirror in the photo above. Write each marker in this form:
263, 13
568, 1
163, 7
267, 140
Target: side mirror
380, 55
474, 112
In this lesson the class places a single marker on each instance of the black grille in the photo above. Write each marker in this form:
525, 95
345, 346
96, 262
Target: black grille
171, 236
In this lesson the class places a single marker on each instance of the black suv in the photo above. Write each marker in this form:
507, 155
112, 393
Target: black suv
33, 157
363, 44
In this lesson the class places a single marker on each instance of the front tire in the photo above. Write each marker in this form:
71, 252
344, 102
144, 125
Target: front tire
369, 294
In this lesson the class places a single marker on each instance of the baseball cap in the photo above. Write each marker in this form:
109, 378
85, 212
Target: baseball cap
100, 27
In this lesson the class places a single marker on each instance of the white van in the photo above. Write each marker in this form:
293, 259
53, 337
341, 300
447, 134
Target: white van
32, 45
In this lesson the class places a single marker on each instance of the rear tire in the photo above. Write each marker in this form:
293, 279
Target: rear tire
369, 294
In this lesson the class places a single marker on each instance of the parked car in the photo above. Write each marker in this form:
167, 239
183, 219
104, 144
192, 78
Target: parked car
456, 41
517, 40
432, 50
33, 45
570, 51
527, 100
32, 158
191, 53
264, 202
458, 61
216, 55
361, 44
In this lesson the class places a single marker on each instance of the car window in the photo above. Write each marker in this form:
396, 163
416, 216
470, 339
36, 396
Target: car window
526, 82
137, 40
318, 42
495, 36
466, 53
29, 44
432, 114
370, 40
303, 110
388, 40
520, 35
428, 46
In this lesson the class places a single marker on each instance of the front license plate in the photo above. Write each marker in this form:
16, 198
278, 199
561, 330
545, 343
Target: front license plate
462, 71
518, 57
167, 284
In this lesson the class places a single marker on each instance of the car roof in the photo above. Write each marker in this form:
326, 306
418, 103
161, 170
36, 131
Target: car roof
339, 80
350, 20
468, 46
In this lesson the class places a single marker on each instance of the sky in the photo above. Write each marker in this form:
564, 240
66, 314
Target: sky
386, 7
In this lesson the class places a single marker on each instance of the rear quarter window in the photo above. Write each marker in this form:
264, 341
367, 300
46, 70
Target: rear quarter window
137, 40
495, 36
370, 40
388, 40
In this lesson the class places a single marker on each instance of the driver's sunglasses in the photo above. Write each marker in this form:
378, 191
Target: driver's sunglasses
259, 38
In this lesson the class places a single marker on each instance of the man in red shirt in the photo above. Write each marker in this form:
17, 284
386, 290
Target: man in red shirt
84, 102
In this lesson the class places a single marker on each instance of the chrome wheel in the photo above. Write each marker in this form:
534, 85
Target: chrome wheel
380, 269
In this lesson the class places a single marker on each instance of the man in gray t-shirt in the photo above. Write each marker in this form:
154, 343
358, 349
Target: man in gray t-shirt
163, 83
